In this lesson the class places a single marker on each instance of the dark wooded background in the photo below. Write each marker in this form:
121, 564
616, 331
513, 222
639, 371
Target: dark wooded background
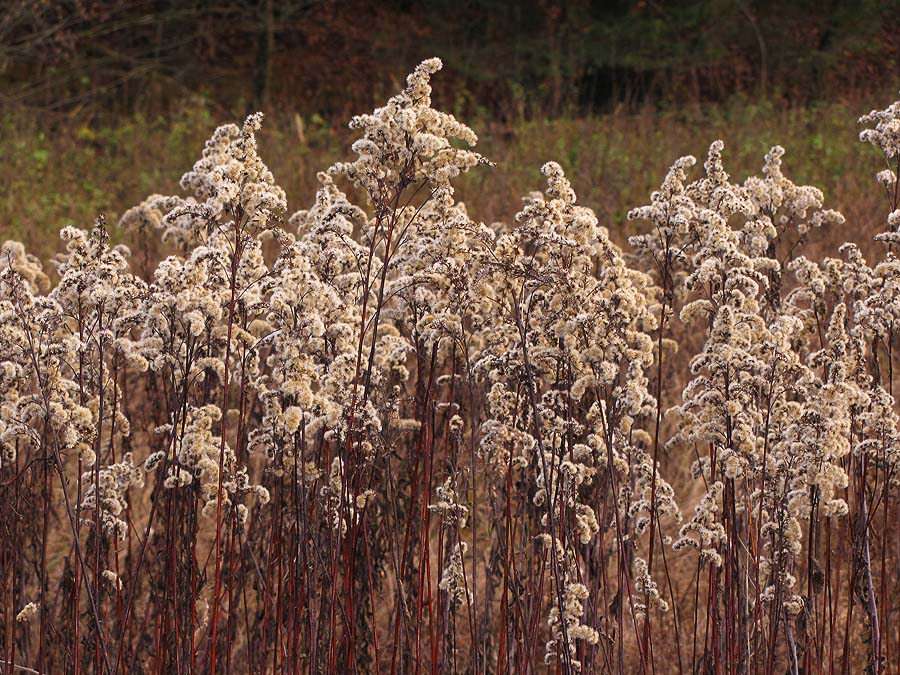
512, 60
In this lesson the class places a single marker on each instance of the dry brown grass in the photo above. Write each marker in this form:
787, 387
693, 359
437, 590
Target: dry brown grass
58, 171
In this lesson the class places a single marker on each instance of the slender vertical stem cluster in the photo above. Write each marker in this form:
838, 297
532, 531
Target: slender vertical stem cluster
381, 436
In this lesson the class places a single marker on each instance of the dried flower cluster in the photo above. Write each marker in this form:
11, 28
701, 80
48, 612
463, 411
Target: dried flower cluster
380, 434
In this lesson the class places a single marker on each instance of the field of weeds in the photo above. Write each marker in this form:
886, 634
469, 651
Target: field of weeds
393, 432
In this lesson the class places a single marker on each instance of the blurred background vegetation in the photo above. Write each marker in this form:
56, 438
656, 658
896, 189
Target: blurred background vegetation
105, 101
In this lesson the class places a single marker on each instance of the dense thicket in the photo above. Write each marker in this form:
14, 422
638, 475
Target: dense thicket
382, 436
